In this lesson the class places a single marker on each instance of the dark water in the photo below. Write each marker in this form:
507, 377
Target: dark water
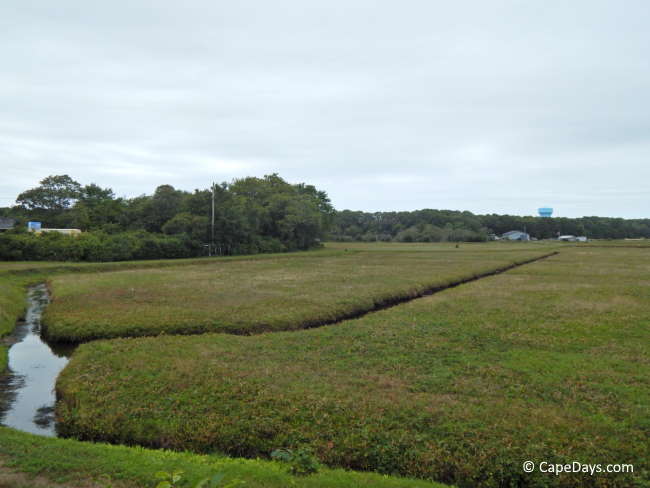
27, 391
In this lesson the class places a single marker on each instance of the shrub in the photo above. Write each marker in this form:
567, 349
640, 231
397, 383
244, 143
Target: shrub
302, 461
98, 246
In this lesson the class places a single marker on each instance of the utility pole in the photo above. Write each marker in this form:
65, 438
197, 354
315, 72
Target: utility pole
212, 228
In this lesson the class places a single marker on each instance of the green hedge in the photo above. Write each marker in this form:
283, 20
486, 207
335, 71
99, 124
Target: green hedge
99, 246
93, 247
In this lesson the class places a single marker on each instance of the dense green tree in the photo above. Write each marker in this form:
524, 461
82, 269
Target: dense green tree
196, 227
55, 193
51, 200
97, 208
165, 203
294, 215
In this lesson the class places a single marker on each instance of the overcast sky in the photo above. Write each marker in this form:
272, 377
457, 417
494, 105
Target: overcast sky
487, 106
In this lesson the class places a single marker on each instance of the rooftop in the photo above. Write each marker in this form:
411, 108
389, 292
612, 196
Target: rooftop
6, 223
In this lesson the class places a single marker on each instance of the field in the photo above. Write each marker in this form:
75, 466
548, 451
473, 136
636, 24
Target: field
248, 296
73, 464
548, 361
483, 247
627, 243
17, 268
15, 276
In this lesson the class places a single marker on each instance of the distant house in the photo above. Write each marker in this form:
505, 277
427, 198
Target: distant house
516, 235
6, 224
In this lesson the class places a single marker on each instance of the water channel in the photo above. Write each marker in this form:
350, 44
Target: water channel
27, 395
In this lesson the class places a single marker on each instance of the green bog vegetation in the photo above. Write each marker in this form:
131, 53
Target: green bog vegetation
246, 296
543, 362
546, 362
12, 305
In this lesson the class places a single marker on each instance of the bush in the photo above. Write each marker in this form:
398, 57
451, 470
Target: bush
302, 462
96, 246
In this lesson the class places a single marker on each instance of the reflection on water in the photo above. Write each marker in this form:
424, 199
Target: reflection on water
27, 391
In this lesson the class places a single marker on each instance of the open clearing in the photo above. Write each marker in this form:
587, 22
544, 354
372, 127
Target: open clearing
548, 361
261, 295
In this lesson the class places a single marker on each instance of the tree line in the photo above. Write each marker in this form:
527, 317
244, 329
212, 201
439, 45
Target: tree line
251, 215
450, 225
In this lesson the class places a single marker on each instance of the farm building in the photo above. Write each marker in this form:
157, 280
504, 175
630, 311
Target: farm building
6, 224
516, 235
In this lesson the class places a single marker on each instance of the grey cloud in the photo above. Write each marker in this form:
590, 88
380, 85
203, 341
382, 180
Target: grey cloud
498, 106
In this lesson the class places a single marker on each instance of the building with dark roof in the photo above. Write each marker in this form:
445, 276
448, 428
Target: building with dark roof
516, 235
6, 223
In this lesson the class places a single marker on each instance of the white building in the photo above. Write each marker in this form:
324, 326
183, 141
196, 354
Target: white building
516, 235
569, 238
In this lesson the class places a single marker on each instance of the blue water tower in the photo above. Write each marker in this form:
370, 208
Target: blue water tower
545, 212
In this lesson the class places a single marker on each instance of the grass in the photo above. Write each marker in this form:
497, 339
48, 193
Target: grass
27, 461
12, 306
57, 267
70, 463
15, 276
629, 243
12, 303
548, 362
258, 295
492, 246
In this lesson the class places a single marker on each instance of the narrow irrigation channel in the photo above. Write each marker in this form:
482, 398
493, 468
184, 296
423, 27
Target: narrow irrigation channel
27, 395
398, 300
